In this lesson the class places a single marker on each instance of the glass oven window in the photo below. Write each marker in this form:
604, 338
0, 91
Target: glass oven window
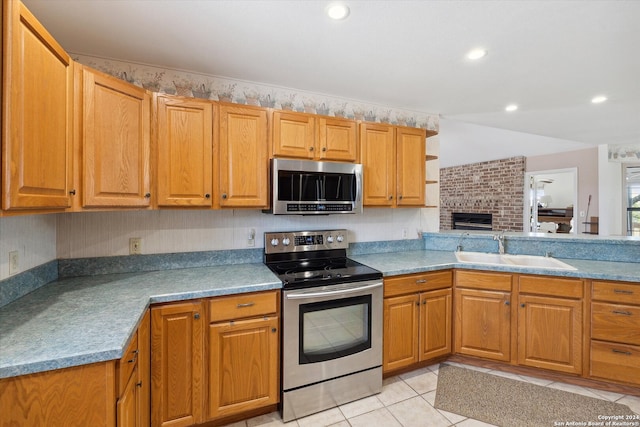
333, 329
310, 187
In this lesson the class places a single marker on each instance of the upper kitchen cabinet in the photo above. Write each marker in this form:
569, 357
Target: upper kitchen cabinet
185, 151
393, 159
37, 115
244, 163
312, 137
116, 142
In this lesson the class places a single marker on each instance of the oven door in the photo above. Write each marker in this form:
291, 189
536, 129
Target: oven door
330, 331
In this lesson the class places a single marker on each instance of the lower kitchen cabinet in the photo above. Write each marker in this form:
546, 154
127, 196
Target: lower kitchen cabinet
483, 314
243, 365
244, 348
417, 320
615, 332
177, 364
550, 323
77, 396
133, 376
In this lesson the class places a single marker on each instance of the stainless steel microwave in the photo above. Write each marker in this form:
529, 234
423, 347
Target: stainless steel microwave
302, 187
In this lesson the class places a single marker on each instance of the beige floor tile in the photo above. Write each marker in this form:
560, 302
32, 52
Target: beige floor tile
472, 367
362, 406
606, 395
341, 424
238, 424
272, 419
395, 391
413, 413
380, 417
473, 423
633, 402
322, 419
573, 389
430, 397
453, 418
537, 381
508, 375
434, 368
421, 380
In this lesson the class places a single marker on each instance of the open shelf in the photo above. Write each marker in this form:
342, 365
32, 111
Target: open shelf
431, 181
431, 157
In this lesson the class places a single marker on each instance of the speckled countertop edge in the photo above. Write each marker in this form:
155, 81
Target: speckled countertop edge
83, 320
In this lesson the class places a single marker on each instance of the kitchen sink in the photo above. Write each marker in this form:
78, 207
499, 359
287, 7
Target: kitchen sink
529, 261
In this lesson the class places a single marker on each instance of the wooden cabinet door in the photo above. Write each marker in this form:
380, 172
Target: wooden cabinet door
244, 164
400, 332
116, 142
294, 135
378, 146
410, 166
550, 333
337, 139
185, 157
37, 115
243, 366
435, 324
127, 406
177, 371
483, 323
143, 394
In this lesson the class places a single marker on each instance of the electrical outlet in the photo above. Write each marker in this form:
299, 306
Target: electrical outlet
251, 238
14, 262
135, 246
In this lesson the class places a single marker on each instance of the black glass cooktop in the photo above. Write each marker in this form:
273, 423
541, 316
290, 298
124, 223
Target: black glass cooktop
303, 273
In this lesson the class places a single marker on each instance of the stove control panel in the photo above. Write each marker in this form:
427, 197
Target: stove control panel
300, 241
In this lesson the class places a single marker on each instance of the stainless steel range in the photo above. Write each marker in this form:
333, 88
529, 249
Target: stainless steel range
331, 321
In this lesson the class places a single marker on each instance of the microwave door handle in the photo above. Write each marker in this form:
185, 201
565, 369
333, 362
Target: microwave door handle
339, 187
304, 295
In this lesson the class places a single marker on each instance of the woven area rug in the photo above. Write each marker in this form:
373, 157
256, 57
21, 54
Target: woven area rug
511, 403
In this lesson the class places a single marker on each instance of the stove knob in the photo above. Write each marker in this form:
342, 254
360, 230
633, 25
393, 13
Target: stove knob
274, 242
329, 239
286, 241
340, 238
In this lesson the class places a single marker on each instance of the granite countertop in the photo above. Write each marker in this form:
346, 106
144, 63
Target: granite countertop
89, 319
396, 263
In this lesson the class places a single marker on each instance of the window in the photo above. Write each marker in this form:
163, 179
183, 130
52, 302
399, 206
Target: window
632, 197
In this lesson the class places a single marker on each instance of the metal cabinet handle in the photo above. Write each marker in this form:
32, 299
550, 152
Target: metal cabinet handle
72, 192
400, 196
147, 196
207, 196
196, 316
417, 303
424, 302
623, 313
131, 360
139, 384
390, 197
247, 304
324, 148
507, 303
274, 330
626, 353
310, 148
420, 281
622, 291
224, 195
522, 305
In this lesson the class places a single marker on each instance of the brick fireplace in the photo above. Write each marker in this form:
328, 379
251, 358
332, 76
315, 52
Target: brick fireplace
495, 187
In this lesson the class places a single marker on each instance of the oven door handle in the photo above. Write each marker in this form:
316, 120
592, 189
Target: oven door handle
336, 292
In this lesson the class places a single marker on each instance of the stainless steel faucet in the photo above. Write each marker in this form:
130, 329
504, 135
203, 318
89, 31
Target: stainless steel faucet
462, 236
500, 239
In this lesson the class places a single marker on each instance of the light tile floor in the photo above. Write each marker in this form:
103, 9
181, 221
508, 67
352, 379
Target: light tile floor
407, 401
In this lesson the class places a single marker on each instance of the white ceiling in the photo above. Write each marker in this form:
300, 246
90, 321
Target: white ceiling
549, 57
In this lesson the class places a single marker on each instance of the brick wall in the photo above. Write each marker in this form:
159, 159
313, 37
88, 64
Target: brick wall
495, 187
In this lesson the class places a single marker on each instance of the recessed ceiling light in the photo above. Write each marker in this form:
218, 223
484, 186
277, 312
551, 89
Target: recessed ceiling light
477, 54
598, 99
511, 107
337, 11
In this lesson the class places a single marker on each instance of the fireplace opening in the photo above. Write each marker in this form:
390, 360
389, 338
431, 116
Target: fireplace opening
472, 221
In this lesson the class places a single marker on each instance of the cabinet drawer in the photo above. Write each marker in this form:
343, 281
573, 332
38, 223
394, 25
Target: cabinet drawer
243, 305
410, 283
615, 362
552, 286
127, 363
483, 280
625, 293
615, 322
